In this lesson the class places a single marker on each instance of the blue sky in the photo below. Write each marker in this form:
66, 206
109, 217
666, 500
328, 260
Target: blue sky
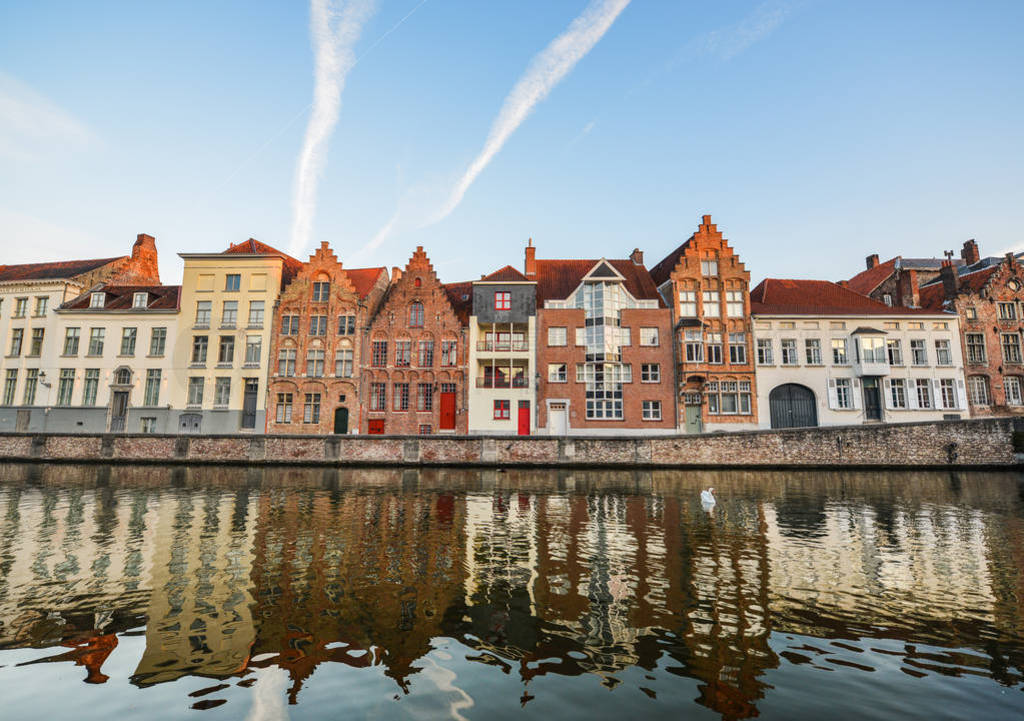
814, 132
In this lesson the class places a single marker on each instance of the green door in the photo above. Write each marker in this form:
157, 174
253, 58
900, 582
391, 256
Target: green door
693, 419
341, 420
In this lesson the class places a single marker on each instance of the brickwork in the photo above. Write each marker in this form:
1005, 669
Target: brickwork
139, 268
421, 393
314, 370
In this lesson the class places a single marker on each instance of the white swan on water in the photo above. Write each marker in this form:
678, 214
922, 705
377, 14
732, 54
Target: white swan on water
707, 497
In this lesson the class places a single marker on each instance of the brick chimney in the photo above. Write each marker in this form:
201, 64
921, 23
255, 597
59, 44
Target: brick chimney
142, 268
637, 256
970, 252
950, 280
908, 292
530, 265
872, 260
396, 274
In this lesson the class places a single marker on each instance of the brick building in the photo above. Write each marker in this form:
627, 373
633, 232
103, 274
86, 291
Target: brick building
890, 282
709, 291
317, 347
604, 353
413, 378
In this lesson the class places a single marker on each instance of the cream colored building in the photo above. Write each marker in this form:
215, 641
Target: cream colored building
224, 336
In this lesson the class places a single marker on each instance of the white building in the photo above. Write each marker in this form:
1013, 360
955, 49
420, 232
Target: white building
829, 356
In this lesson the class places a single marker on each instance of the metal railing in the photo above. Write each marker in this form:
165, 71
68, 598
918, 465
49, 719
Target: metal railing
502, 346
519, 382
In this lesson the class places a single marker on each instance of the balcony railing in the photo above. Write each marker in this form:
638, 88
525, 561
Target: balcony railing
502, 346
519, 382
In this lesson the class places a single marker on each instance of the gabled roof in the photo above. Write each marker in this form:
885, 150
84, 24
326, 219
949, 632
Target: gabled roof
58, 271
121, 297
252, 246
508, 274
363, 279
661, 272
867, 280
776, 296
933, 295
460, 295
557, 279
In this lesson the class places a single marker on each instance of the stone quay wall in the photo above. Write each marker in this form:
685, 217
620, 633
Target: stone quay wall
987, 442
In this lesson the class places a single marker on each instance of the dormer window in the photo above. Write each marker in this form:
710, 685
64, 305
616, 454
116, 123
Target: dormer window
140, 300
97, 300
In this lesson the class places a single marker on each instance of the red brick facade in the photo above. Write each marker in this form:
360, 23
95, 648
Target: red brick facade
318, 345
414, 363
709, 289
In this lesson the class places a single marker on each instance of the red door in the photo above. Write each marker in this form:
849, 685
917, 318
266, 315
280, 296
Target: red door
447, 412
524, 418
376, 426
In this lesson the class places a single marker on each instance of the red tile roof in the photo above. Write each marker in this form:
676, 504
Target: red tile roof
58, 270
775, 296
869, 279
364, 278
661, 272
507, 274
933, 295
120, 297
460, 295
256, 247
557, 279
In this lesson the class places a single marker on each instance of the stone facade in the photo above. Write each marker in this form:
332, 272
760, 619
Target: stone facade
413, 376
318, 347
708, 289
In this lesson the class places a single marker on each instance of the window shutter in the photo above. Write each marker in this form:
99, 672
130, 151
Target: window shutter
937, 402
961, 394
856, 395
833, 401
912, 394
887, 392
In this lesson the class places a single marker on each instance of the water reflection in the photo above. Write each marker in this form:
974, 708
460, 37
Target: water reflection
481, 584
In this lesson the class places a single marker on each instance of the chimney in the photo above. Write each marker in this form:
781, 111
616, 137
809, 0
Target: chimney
530, 266
872, 260
396, 274
142, 268
637, 256
970, 252
908, 292
950, 280
844, 283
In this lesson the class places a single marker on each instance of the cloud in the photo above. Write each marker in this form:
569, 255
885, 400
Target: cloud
334, 33
31, 125
729, 42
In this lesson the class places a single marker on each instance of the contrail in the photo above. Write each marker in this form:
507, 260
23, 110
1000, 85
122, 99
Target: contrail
546, 70
334, 35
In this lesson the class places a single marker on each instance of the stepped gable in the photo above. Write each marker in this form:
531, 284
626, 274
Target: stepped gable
121, 297
324, 260
779, 296
252, 246
557, 279
707, 236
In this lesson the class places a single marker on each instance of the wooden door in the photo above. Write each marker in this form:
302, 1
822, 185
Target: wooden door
558, 420
524, 418
119, 410
249, 403
872, 400
792, 406
341, 420
447, 412
694, 422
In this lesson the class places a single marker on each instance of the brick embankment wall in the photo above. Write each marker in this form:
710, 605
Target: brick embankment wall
970, 443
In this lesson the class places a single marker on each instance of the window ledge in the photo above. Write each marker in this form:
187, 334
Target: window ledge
87, 355
125, 355
220, 408
197, 365
160, 355
201, 327
254, 327
227, 326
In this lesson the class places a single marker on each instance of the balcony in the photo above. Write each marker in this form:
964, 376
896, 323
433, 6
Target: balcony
501, 382
503, 346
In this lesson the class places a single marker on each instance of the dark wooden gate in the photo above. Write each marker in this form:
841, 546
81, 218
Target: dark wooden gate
793, 406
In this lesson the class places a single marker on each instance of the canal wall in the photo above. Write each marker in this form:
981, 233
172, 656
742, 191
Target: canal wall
982, 442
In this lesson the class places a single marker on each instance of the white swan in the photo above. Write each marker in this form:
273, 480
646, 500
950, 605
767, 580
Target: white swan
707, 497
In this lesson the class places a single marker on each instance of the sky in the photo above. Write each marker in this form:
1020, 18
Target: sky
815, 132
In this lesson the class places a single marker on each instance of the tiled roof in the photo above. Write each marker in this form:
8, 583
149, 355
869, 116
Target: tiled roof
460, 295
256, 247
58, 270
557, 279
666, 265
120, 297
933, 295
775, 296
869, 279
507, 274
364, 278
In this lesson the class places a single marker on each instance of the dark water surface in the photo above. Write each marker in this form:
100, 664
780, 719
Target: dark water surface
231, 593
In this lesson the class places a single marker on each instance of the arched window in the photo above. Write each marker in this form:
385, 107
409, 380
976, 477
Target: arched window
416, 315
418, 282
122, 377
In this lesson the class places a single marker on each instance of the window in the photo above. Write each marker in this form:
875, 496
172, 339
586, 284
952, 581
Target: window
650, 373
693, 341
426, 354
812, 351
415, 315
887, 299
872, 350
894, 348
651, 410
256, 314
738, 348
253, 350
200, 343
401, 397
41, 303
321, 292
839, 355
448, 353
203, 314
65, 386
947, 388
311, 409
31, 382
343, 363
195, 390
315, 363
17, 334
148, 424
764, 352
286, 362
96, 300
714, 348
502, 410
709, 267
233, 281
1011, 347
158, 342
976, 348
789, 357
379, 356
226, 350
318, 325
924, 393
734, 303
289, 325
728, 397
712, 303
557, 373
346, 325
425, 397
978, 388
403, 353
557, 336
10, 386
71, 336
943, 356
284, 408
844, 397
151, 397
89, 388
21, 306
128, 336
140, 300
503, 300
1012, 388
1007, 311
221, 392
649, 336
96, 336
687, 304
898, 393
37, 342
378, 396
581, 336
971, 313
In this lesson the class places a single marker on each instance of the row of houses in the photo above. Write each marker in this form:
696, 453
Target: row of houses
255, 340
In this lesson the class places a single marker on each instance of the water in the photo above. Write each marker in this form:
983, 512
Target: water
164, 593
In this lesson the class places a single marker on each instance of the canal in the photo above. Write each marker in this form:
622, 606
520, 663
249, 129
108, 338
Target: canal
292, 593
